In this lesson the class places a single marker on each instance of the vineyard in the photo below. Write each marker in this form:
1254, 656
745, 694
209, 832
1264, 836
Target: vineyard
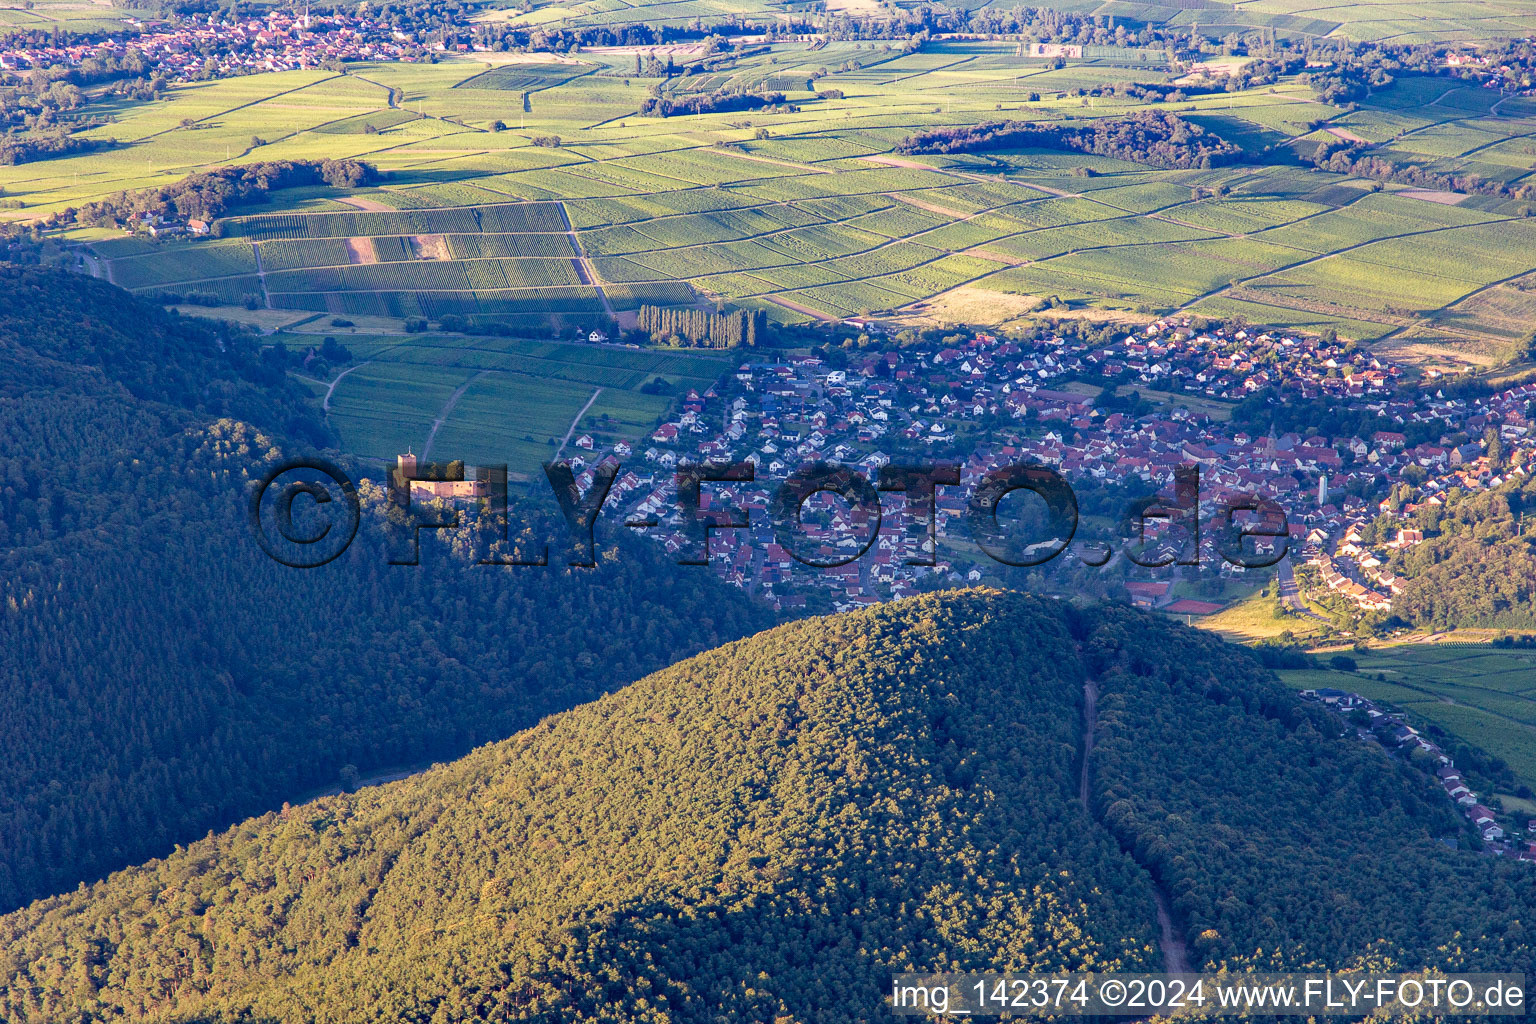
527, 78
810, 213
503, 218
519, 397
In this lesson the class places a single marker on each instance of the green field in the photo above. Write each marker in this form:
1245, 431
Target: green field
1479, 693
805, 214
500, 400
1256, 619
67, 15
1378, 20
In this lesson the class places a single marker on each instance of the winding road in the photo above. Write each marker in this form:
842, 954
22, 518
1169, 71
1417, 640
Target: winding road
325, 405
1290, 594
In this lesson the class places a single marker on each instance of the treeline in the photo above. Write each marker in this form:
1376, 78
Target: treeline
1342, 156
1347, 82
37, 100
1154, 137
1477, 564
41, 109
39, 145
701, 329
1046, 25
209, 194
708, 103
443, 23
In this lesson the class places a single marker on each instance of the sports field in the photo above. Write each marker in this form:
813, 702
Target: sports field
805, 213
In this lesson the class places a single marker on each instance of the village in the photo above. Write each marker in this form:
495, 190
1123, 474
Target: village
220, 45
985, 402
1376, 723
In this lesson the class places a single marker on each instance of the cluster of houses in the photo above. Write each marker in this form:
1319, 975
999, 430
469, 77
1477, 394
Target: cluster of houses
1358, 570
1171, 355
226, 45
1390, 729
157, 225
986, 402
1365, 597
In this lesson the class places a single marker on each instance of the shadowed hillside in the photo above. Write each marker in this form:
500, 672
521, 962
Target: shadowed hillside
164, 677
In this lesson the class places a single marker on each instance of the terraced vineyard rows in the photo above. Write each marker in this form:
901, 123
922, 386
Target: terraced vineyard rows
810, 214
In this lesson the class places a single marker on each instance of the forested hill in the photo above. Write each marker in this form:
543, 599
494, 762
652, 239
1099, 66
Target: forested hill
165, 678
766, 831
1477, 565
69, 334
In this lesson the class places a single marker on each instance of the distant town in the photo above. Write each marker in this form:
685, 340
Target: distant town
220, 45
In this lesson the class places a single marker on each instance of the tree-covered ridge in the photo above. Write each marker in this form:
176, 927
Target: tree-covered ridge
1153, 137
1283, 845
1477, 565
167, 678
763, 832
766, 831
65, 334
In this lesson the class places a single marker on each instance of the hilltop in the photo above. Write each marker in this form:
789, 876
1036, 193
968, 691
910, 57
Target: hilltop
767, 830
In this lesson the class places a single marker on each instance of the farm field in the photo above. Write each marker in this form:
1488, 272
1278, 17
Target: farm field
67, 15
805, 213
1378, 20
495, 401
1480, 693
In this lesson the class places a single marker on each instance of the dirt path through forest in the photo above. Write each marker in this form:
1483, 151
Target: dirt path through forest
1175, 952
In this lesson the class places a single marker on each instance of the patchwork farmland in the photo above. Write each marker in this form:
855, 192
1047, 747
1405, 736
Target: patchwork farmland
805, 214
527, 195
